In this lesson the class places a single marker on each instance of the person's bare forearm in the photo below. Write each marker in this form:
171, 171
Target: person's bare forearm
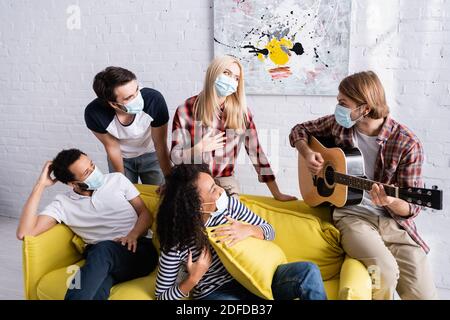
115, 156
273, 187
257, 232
162, 153
142, 225
28, 218
303, 148
187, 285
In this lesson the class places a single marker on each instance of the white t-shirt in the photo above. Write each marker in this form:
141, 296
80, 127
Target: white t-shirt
135, 139
369, 148
106, 215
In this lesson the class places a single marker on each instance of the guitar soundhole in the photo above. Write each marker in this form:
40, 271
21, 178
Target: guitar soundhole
329, 176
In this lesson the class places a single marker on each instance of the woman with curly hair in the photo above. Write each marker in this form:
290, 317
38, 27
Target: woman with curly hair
191, 203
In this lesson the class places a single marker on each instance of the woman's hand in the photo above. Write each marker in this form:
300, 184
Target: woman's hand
198, 268
210, 143
236, 231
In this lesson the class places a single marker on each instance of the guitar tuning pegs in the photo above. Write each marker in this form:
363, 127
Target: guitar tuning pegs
434, 187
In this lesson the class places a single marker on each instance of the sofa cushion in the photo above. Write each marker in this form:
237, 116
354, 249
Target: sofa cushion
53, 286
332, 289
303, 237
322, 212
252, 262
150, 198
151, 201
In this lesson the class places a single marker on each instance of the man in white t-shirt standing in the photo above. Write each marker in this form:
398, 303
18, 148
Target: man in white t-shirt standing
131, 122
105, 211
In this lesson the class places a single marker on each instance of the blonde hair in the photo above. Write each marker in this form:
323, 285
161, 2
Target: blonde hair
207, 104
366, 88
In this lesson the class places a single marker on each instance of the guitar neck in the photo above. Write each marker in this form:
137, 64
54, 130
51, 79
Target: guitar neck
362, 184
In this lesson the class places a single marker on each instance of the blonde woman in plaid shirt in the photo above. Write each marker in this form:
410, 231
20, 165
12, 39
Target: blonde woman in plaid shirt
211, 128
380, 231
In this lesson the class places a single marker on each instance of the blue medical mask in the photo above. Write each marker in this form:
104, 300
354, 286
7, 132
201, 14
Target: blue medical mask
343, 116
225, 85
136, 105
221, 205
95, 179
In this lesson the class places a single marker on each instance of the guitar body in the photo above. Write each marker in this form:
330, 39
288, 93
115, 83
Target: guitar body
321, 189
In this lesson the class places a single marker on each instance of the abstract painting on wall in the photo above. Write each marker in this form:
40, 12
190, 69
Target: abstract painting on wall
288, 47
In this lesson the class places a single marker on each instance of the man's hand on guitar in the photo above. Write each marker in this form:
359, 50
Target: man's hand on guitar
314, 162
379, 196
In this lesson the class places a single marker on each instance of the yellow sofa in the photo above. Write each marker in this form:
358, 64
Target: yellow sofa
303, 233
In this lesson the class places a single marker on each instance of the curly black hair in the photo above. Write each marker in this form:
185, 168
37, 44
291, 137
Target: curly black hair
179, 219
62, 162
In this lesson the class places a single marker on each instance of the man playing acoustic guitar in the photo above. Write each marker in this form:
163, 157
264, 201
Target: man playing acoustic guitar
380, 232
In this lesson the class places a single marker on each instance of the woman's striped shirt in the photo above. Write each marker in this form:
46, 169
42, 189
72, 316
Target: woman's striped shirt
171, 270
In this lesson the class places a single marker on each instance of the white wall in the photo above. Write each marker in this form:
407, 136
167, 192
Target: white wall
46, 72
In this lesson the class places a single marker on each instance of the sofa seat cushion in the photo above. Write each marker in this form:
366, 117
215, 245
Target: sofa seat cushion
53, 286
332, 288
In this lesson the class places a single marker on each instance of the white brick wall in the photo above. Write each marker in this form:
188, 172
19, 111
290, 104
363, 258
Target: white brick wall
46, 72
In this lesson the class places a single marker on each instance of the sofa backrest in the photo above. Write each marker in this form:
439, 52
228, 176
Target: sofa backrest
303, 237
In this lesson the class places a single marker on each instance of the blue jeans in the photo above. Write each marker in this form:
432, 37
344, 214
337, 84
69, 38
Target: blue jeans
145, 166
291, 281
109, 263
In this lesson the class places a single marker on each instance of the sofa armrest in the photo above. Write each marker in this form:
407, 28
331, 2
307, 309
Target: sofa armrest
44, 253
355, 282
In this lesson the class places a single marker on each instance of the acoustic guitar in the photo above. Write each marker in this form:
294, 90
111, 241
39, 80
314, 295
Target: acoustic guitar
342, 181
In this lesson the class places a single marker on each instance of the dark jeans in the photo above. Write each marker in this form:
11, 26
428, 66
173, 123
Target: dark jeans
146, 167
109, 263
291, 281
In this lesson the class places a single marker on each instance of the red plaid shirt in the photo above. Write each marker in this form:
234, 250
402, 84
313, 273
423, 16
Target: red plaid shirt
187, 132
399, 160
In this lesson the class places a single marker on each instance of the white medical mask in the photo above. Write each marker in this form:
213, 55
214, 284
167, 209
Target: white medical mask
95, 179
343, 116
225, 85
221, 205
136, 105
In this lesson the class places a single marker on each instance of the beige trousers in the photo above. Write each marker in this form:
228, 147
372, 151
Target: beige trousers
394, 260
230, 184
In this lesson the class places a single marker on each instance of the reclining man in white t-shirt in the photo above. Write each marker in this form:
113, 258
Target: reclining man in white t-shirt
105, 211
